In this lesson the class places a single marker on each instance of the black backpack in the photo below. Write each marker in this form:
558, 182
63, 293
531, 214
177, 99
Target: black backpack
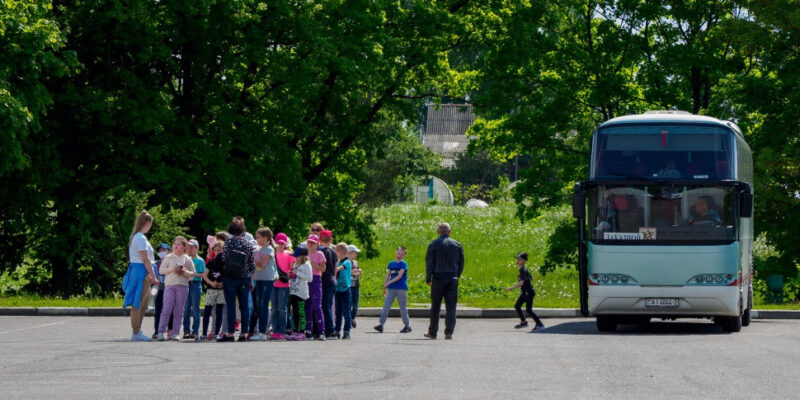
235, 264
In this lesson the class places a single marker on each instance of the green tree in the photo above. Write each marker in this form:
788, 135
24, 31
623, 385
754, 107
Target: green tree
261, 109
394, 171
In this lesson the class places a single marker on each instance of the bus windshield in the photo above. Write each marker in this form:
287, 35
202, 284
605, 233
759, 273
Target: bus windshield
662, 214
663, 152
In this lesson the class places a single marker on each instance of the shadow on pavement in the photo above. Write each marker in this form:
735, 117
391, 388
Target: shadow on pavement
652, 328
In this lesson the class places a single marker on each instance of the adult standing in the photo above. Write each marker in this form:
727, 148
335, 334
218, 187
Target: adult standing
444, 263
139, 277
328, 280
237, 258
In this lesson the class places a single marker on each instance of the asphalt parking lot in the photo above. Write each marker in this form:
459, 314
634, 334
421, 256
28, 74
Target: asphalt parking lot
90, 357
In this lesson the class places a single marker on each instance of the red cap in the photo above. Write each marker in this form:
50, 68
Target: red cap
325, 234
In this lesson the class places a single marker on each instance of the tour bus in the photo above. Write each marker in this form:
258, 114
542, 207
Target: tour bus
665, 221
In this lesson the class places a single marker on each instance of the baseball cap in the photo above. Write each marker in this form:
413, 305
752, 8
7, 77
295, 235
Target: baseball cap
313, 238
194, 243
325, 234
300, 251
281, 238
523, 256
164, 246
353, 248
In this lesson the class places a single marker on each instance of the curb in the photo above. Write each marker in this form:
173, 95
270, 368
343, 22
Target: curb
463, 312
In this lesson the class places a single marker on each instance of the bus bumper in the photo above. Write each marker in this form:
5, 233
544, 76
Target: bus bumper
692, 301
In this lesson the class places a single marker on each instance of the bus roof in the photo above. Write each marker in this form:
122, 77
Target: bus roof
669, 117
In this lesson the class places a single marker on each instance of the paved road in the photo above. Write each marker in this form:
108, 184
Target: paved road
88, 357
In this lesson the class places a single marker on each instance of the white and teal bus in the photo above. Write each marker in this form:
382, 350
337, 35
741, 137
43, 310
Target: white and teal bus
665, 221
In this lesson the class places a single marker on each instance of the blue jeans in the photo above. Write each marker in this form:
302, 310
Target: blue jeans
354, 301
234, 288
261, 297
327, 302
280, 300
192, 306
342, 310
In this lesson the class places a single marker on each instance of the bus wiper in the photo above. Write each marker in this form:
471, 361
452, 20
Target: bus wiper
637, 177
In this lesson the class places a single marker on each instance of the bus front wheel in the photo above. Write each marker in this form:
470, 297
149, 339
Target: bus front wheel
606, 323
746, 315
730, 324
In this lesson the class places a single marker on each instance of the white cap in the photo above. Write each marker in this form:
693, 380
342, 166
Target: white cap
353, 248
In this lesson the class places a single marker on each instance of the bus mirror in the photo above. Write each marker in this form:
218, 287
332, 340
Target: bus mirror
746, 204
579, 204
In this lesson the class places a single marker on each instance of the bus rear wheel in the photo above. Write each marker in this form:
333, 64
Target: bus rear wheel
606, 323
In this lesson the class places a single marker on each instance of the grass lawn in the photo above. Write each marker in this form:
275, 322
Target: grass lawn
491, 238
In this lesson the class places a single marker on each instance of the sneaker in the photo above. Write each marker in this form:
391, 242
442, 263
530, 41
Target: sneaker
346, 336
225, 338
320, 338
160, 337
538, 327
379, 328
140, 337
175, 338
258, 337
521, 325
299, 336
187, 335
353, 323
242, 338
448, 337
211, 336
237, 326
202, 338
406, 329
155, 336
331, 337
429, 336
278, 337
308, 335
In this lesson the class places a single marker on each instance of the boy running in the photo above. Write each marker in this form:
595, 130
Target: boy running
526, 294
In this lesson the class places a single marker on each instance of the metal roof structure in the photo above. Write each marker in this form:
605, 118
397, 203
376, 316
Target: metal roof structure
445, 130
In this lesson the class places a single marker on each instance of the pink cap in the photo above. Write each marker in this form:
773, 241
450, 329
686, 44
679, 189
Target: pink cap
281, 238
313, 238
326, 234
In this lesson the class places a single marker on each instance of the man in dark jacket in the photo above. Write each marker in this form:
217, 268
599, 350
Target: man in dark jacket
444, 263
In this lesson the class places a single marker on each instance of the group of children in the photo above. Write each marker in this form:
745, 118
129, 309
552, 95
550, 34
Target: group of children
290, 282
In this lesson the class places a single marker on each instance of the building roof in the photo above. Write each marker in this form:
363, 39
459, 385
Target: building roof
445, 130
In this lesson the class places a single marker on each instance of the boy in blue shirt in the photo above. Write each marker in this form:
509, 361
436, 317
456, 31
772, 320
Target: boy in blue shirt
395, 286
526, 294
343, 280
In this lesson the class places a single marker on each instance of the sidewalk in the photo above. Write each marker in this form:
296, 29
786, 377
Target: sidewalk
463, 312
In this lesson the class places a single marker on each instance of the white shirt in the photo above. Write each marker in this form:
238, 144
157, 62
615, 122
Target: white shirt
138, 244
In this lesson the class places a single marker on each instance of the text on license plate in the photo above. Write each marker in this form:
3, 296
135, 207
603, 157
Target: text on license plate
659, 302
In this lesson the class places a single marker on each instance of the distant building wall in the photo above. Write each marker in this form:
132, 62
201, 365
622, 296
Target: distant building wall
445, 130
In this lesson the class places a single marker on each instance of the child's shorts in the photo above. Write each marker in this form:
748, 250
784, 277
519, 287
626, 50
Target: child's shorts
214, 297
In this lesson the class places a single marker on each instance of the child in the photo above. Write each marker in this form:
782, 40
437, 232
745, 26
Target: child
177, 269
192, 307
526, 294
300, 275
163, 252
352, 253
395, 285
315, 322
344, 270
215, 299
280, 294
263, 283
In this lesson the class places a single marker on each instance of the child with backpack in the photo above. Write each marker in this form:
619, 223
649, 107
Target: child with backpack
300, 276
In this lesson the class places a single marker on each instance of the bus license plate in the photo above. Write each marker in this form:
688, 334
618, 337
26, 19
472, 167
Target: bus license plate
661, 303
